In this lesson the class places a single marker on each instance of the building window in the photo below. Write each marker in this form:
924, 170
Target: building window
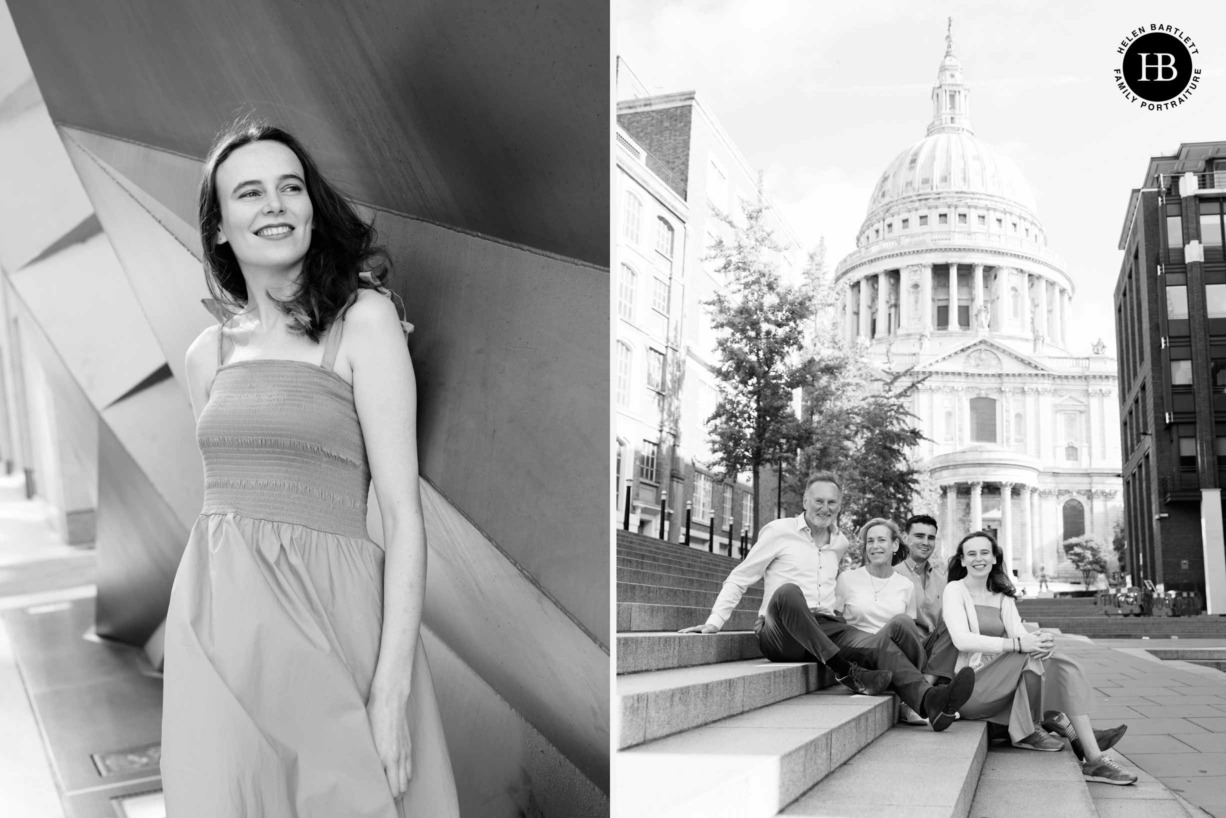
876, 232
1218, 370
727, 503
942, 218
647, 461
1070, 427
923, 221
1181, 373
983, 420
717, 186
702, 496
1177, 302
1174, 230
961, 218
747, 512
1219, 449
1211, 222
1000, 224
1014, 227
659, 295
632, 217
1015, 303
983, 220
1187, 449
655, 370
664, 237
625, 293
625, 359
1019, 429
905, 223
949, 425
1215, 300
1074, 519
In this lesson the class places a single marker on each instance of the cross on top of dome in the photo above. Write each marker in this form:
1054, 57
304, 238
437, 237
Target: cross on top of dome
950, 97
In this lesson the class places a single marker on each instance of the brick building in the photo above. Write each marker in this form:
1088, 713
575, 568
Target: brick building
674, 165
1170, 312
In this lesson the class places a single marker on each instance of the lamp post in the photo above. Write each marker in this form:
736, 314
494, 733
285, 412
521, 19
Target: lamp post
663, 511
626, 515
689, 510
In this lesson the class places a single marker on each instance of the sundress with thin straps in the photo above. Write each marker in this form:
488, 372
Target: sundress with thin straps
275, 615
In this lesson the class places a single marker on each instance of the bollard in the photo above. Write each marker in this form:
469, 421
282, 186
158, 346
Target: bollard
689, 510
626, 519
711, 535
663, 511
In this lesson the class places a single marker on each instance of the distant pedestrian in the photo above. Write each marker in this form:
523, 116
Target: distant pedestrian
1043, 579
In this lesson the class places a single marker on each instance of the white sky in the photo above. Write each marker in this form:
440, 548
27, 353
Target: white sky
821, 96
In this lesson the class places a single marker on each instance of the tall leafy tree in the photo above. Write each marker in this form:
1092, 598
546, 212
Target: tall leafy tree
1086, 554
760, 322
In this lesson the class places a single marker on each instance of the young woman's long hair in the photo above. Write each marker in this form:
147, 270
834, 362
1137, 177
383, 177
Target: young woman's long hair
343, 245
998, 579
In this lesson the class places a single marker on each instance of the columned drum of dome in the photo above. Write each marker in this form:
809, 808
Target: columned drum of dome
952, 275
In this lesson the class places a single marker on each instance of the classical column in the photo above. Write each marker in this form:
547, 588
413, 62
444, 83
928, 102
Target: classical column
1028, 538
976, 506
926, 297
1065, 305
866, 325
1006, 526
1058, 316
1040, 310
883, 293
977, 300
953, 296
1036, 533
951, 514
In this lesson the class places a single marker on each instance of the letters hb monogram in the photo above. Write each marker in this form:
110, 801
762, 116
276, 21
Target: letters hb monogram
1160, 65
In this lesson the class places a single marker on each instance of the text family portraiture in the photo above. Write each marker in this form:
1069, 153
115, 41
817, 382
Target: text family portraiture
304, 409
919, 384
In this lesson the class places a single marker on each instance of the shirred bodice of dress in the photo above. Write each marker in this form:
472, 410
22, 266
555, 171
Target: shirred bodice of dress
281, 441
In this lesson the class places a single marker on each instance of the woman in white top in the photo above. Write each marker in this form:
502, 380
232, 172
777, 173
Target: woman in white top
875, 599
1017, 673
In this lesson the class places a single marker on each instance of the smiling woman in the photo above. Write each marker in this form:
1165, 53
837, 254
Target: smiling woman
295, 682
1017, 673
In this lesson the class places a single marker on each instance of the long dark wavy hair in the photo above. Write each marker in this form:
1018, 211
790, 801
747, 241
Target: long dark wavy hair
998, 580
342, 243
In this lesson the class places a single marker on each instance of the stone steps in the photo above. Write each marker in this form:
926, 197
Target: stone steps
644, 616
1022, 783
644, 652
696, 560
1132, 627
664, 569
650, 706
908, 771
750, 765
667, 595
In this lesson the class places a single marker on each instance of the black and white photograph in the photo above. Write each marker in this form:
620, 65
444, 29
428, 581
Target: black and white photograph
919, 370
305, 413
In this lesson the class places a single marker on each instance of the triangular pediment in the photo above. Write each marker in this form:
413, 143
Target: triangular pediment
985, 356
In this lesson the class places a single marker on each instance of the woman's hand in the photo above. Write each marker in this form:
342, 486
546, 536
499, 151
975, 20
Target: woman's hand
389, 724
1038, 642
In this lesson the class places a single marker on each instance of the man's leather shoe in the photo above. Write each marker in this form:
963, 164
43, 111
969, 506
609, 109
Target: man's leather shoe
866, 682
941, 703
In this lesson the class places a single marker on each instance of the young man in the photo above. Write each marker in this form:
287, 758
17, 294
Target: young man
920, 537
799, 558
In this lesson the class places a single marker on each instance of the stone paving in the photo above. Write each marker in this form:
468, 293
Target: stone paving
1175, 712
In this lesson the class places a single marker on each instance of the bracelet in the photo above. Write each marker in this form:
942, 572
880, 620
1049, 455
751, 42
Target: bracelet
1018, 639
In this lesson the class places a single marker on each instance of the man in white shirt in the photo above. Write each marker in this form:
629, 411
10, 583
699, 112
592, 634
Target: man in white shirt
799, 558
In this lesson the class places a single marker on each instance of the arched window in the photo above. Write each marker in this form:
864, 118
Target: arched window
1074, 519
625, 292
624, 364
632, 217
664, 237
1015, 303
983, 420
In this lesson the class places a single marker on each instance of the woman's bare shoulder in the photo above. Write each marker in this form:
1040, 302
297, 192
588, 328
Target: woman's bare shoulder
204, 348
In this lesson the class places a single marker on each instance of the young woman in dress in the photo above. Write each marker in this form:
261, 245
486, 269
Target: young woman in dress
875, 599
295, 681
1017, 673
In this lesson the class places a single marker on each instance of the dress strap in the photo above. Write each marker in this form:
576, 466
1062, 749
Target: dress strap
333, 342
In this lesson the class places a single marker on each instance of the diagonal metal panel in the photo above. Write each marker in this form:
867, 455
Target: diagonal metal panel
82, 301
491, 117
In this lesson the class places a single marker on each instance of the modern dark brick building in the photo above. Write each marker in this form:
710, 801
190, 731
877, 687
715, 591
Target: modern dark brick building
1170, 312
